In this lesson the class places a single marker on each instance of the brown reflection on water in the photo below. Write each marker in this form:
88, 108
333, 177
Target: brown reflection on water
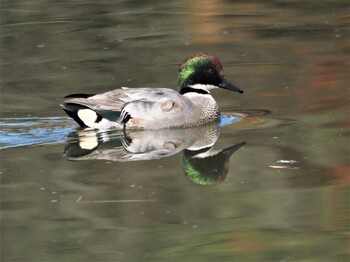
325, 76
205, 27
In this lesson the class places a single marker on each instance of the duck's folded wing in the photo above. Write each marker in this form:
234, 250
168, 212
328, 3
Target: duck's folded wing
107, 101
114, 100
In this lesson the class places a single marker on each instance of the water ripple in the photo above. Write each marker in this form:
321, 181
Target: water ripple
18, 132
34, 131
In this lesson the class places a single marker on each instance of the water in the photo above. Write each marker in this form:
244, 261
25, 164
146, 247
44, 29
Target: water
274, 186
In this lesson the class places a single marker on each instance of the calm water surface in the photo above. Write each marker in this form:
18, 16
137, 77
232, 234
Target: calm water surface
274, 186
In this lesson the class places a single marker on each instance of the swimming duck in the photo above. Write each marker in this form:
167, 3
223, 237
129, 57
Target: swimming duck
156, 108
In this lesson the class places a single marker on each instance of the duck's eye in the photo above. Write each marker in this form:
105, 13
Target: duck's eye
210, 71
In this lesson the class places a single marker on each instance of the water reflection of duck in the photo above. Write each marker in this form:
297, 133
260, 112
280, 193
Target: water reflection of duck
202, 164
156, 108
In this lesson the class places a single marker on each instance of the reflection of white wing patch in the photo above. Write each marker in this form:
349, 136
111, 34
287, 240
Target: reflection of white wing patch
88, 142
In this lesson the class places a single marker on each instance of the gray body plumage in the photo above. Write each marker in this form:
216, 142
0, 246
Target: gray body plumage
147, 108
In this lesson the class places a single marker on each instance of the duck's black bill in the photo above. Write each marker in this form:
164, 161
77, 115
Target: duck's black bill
227, 85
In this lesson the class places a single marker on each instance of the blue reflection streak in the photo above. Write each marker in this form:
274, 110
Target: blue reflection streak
229, 119
18, 132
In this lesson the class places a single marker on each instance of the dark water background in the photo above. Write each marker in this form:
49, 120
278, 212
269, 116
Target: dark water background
285, 196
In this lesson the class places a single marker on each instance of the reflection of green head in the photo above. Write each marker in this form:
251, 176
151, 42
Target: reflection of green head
211, 169
197, 177
207, 171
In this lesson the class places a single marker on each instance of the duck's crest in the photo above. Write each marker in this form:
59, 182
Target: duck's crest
201, 56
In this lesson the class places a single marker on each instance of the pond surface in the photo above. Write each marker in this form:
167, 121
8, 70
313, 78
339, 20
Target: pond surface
273, 187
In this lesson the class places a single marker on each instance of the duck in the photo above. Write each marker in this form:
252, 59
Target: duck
156, 108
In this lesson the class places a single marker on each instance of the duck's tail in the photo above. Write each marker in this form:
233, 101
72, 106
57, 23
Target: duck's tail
83, 115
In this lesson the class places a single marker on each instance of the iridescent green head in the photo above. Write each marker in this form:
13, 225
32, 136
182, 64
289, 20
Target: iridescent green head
201, 73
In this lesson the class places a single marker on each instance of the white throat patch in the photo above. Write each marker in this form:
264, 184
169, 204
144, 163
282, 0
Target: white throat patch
203, 87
